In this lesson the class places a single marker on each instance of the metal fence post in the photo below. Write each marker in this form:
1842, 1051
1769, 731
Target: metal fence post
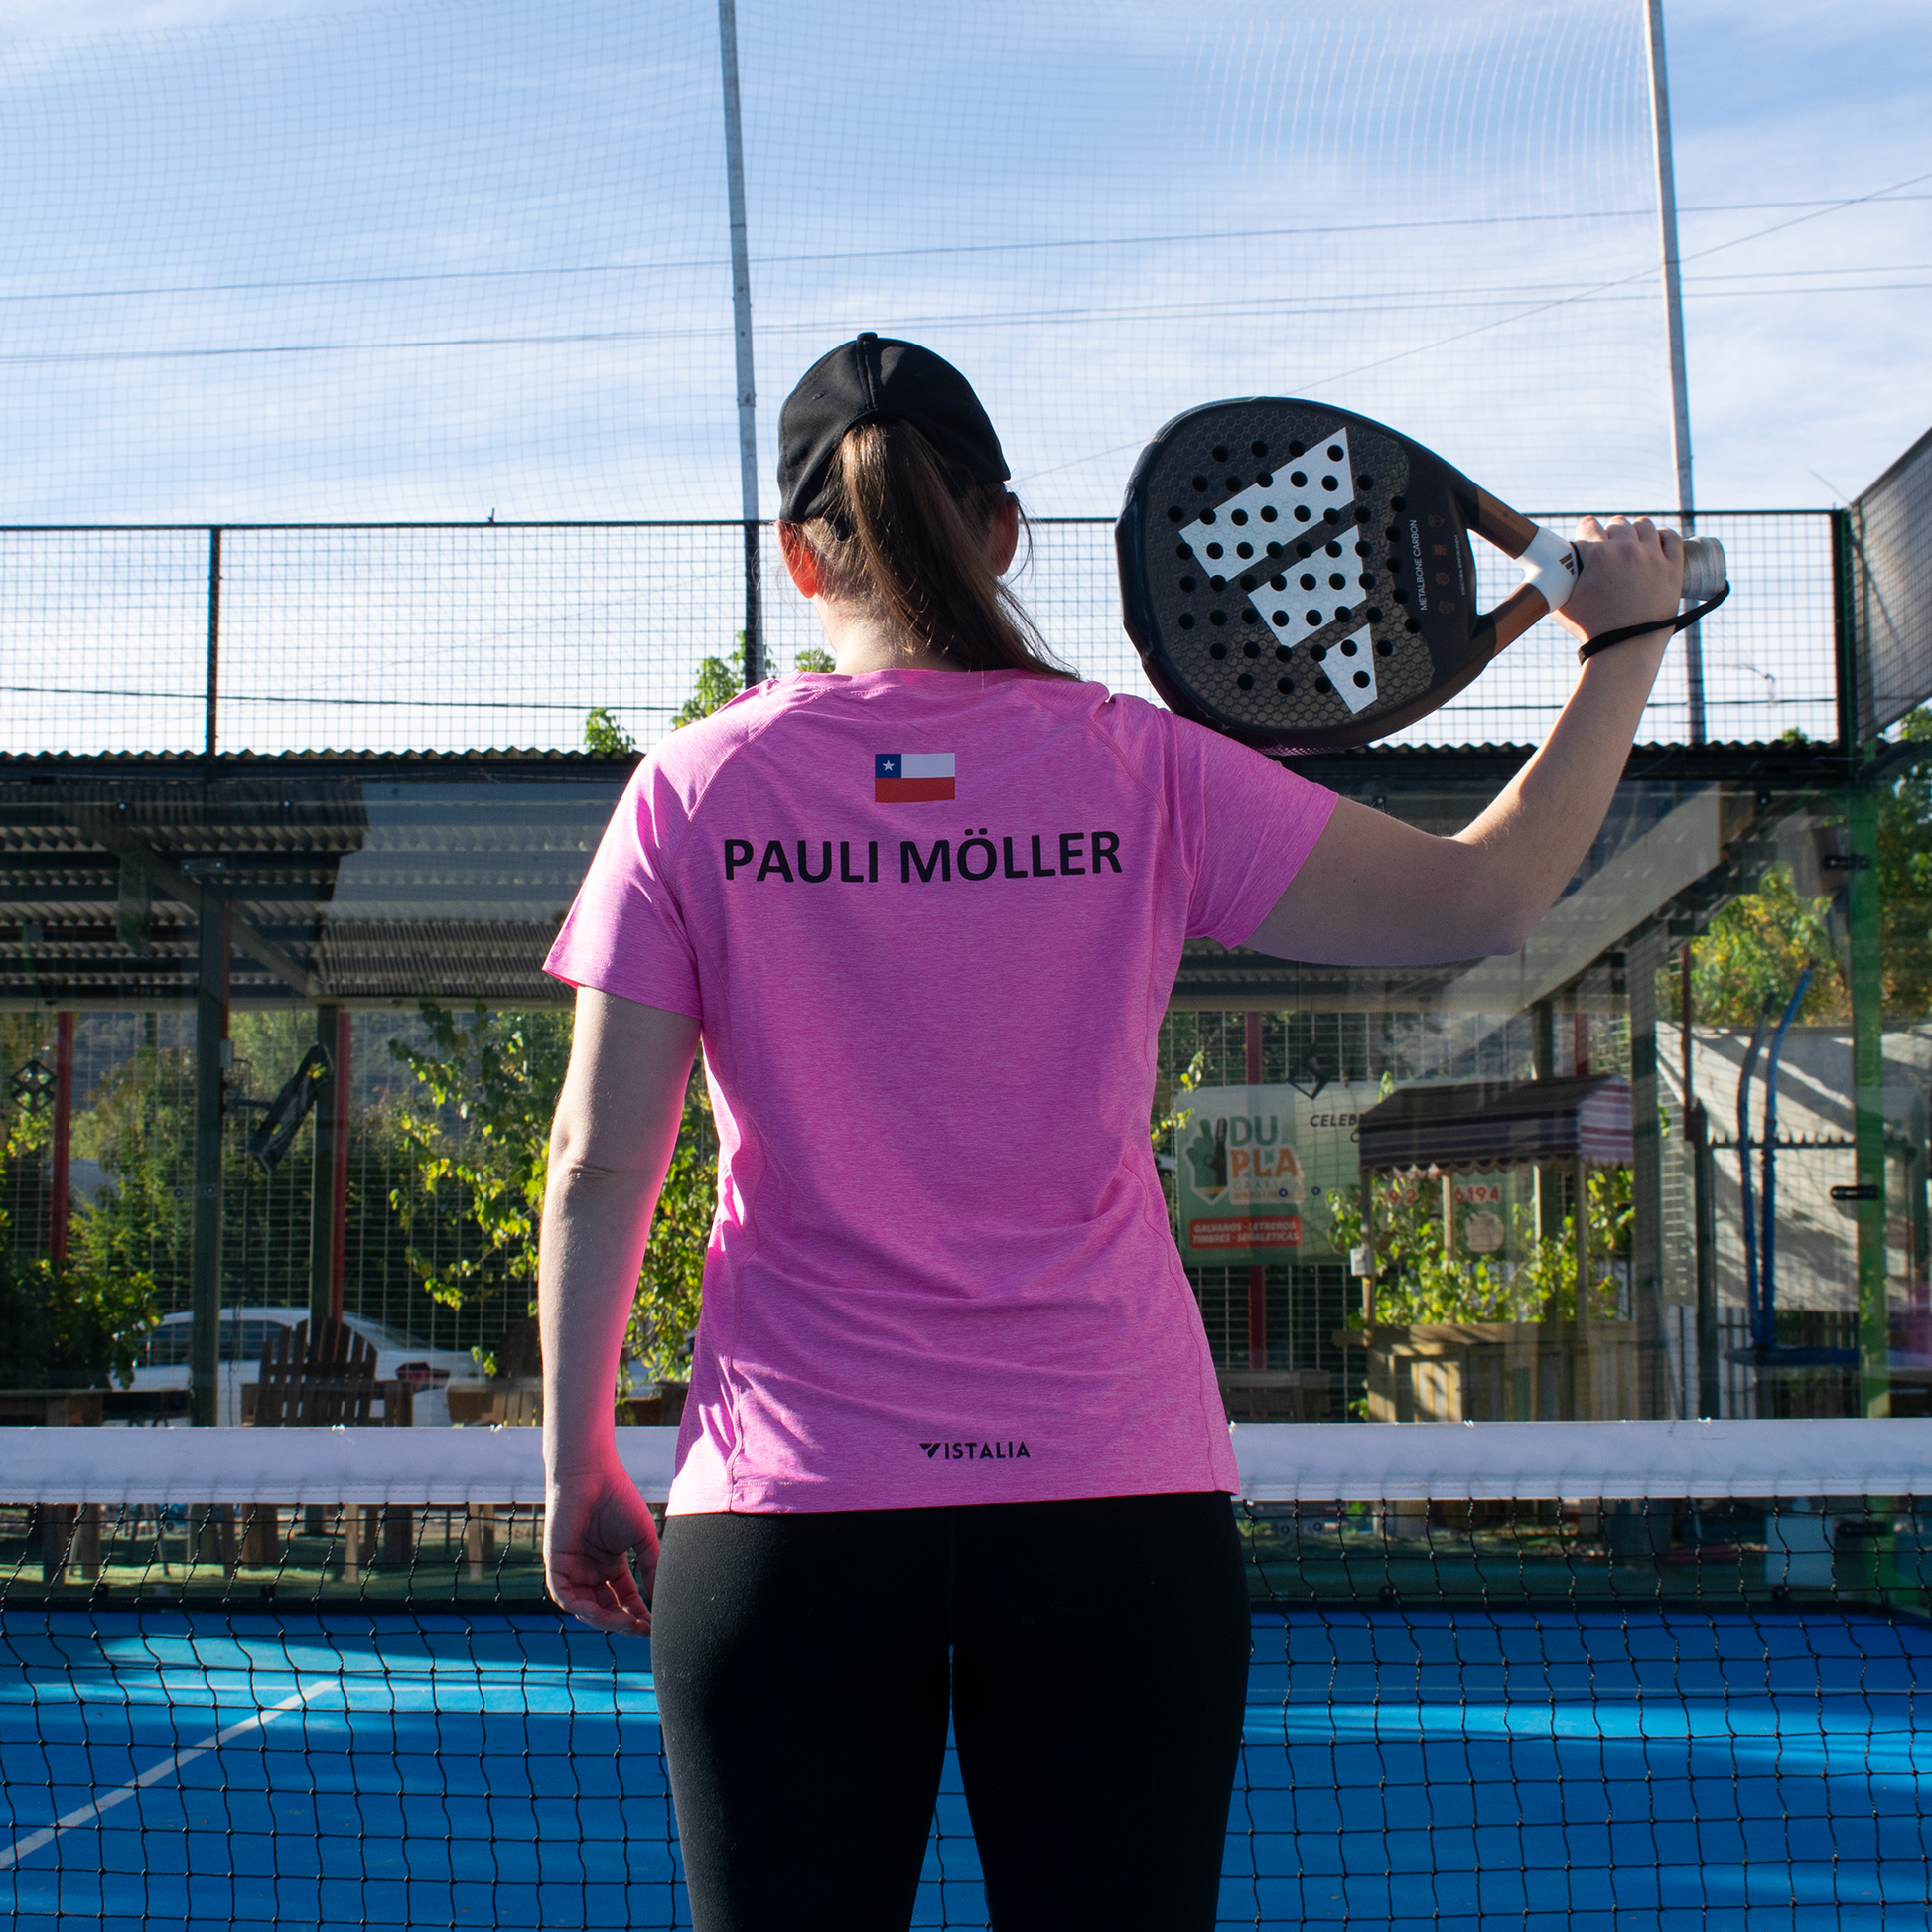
1868, 1090
213, 678
1850, 724
1865, 974
1674, 328
1646, 957
747, 433
327, 1207
1253, 1034
210, 1063
60, 1207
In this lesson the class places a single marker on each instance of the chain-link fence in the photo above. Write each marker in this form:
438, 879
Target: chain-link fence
404, 261
409, 1226
437, 638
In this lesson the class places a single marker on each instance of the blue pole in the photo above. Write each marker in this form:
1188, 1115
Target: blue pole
1768, 1293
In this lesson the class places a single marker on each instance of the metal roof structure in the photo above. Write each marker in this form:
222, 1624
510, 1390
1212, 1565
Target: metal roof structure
389, 878
1478, 1125
354, 881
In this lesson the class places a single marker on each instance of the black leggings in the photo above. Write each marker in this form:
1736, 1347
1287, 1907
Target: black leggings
1095, 1659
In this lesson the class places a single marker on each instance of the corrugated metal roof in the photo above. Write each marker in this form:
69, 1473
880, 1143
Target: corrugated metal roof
410, 878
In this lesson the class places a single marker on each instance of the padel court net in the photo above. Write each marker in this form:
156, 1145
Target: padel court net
1526, 1675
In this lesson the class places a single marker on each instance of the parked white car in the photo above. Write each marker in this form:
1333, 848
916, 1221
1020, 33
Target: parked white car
244, 1332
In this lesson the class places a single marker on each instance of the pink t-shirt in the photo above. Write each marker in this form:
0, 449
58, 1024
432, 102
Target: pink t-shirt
929, 922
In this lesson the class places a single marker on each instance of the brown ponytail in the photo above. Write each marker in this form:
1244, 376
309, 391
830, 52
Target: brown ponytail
895, 537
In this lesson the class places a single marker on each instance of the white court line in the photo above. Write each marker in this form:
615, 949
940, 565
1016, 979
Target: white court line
33, 1842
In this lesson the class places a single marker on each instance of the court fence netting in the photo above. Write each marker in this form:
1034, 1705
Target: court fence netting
1607, 1675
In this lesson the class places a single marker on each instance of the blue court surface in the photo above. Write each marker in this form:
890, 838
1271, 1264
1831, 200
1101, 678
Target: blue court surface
1455, 1770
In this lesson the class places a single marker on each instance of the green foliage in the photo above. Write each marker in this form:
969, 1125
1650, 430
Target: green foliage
480, 1157
1750, 958
815, 658
478, 1166
717, 683
140, 1125
604, 735
1905, 878
1417, 1281
1745, 965
77, 1329
1176, 1117
1549, 1272
83, 1326
670, 1285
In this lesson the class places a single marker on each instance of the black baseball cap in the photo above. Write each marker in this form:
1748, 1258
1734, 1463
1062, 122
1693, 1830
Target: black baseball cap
874, 377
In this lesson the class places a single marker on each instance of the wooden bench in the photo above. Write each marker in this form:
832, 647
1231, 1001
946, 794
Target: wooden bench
514, 1395
322, 1378
315, 1379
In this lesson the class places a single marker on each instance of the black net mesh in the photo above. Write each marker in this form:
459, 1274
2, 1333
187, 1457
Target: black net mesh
1643, 1710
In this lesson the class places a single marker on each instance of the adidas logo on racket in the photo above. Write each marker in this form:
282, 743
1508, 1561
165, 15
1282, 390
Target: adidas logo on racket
1300, 577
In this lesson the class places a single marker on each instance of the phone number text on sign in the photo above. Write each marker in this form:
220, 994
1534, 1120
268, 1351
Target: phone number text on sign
1264, 1231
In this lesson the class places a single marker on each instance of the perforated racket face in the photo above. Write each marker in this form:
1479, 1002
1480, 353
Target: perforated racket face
1297, 576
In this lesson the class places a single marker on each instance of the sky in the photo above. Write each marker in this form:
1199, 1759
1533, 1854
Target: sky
285, 261
1807, 372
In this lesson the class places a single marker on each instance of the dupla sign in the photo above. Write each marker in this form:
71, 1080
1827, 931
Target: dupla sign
1256, 1166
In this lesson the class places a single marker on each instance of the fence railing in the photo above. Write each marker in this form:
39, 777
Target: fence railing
389, 638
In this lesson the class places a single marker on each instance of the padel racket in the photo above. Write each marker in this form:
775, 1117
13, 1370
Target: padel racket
1301, 578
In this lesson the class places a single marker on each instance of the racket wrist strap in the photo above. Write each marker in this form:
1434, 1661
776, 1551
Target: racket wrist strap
1585, 651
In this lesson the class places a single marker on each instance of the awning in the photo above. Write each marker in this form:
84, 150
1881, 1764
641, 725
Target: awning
1474, 1125
376, 880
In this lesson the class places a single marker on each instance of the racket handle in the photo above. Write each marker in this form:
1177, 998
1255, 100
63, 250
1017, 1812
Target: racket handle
1552, 565
1704, 573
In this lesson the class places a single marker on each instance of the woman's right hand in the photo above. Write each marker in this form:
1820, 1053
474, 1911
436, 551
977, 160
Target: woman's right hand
593, 1522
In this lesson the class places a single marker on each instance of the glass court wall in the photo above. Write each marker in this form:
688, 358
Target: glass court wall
1759, 1252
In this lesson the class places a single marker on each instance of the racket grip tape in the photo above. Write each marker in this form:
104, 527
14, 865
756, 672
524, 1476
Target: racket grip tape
1705, 571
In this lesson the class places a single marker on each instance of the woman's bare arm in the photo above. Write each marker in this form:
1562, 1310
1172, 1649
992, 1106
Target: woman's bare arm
1377, 892
611, 1141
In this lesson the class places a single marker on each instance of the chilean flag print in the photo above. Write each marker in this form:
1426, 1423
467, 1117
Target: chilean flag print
912, 778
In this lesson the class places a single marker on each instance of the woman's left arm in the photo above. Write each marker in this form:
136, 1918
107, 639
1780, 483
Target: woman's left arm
611, 1142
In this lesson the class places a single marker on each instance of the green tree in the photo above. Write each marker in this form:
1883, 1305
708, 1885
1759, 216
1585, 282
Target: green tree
71, 1330
139, 1124
480, 1157
605, 737
479, 1163
717, 683
1417, 1281
670, 1284
1748, 959
81, 1326
1905, 876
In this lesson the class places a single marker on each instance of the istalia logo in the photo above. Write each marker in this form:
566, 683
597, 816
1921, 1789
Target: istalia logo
979, 1452
912, 778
